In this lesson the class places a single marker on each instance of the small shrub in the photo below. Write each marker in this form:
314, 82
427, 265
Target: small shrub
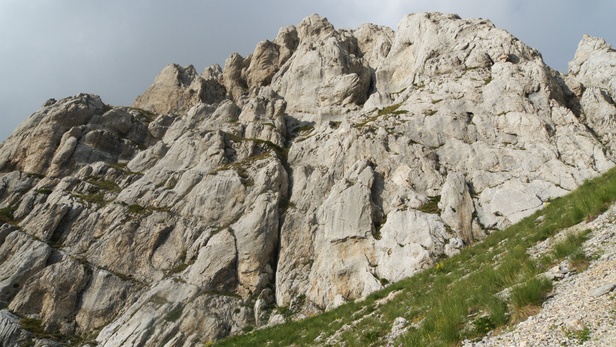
171, 183
580, 336
483, 324
570, 245
178, 268
431, 206
371, 336
104, 185
439, 267
93, 198
6, 215
174, 314
334, 125
390, 110
136, 209
44, 191
35, 326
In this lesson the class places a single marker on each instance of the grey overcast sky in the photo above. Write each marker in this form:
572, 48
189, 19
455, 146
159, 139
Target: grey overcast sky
115, 48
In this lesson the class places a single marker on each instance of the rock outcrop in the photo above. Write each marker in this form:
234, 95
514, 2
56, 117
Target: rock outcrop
314, 171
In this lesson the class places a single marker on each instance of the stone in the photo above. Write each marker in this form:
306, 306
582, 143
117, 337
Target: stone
457, 206
321, 73
176, 89
603, 289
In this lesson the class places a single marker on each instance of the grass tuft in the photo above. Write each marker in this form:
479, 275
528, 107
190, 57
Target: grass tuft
432, 205
532, 292
6, 215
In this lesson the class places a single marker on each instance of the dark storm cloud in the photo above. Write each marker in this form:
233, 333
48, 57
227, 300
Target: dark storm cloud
115, 48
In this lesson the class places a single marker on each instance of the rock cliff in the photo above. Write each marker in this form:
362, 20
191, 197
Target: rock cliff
314, 171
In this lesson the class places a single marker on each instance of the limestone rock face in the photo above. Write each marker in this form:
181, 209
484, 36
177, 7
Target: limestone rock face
176, 89
316, 170
325, 72
591, 78
456, 206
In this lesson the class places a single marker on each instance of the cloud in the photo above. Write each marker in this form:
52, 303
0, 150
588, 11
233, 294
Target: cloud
115, 48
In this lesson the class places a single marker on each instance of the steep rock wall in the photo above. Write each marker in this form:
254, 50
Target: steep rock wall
316, 170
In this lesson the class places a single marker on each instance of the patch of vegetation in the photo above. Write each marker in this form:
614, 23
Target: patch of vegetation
104, 185
92, 198
570, 248
145, 116
158, 300
391, 110
483, 325
286, 204
171, 183
241, 166
35, 326
400, 91
178, 268
387, 111
6, 214
304, 129
580, 336
121, 166
571, 245
442, 301
174, 314
96, 192
334, 124
530, 294
432, 205
378, 226
430, 112
44, 191
135, 208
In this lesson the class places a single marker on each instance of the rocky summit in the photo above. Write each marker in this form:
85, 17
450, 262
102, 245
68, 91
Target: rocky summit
318, 169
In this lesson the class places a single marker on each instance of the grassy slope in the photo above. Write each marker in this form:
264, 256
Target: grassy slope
457, 299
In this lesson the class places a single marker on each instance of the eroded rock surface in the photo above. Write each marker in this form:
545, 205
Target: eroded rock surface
314, 171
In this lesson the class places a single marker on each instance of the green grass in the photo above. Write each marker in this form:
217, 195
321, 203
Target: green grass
391, 110
35, 327
580, 336
571, 248
92, 198
530, 293
431, 206
174, 314
387, 111
304, 129
461, 298
104, 185
135, 208
44, 191
6, 215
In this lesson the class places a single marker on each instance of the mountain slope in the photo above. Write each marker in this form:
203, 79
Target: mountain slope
488, 288
312, 172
